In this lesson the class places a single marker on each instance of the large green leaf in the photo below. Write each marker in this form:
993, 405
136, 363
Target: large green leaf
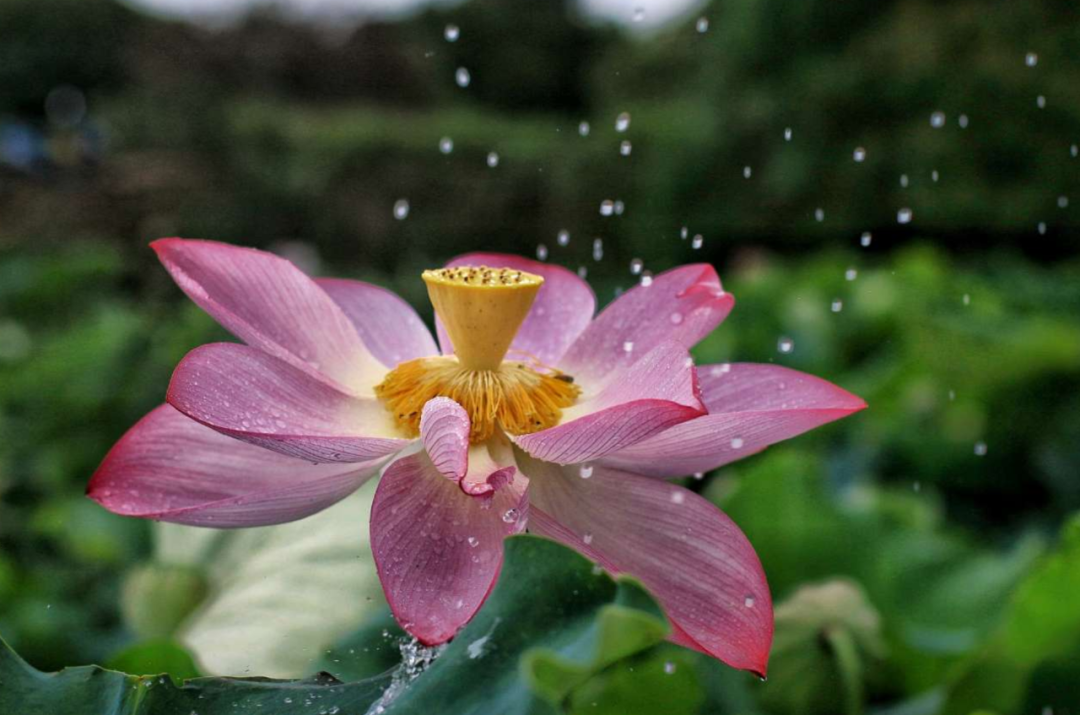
90, 690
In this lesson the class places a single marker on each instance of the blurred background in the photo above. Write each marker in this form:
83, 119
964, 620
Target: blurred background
890, 188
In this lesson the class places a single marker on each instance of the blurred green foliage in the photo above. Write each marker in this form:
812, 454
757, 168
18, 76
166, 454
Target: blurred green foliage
941, 505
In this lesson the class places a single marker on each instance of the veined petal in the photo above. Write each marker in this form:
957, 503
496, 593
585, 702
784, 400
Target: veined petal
388, 326
272, 305
688, 553
245, 393
682, 305
444, 430
750, 407
641, 399
562, 309
171, 468
438, 550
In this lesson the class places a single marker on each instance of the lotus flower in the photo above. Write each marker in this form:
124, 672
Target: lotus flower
530, 413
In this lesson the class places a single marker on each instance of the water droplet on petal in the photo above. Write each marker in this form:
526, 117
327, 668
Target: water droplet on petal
749, 601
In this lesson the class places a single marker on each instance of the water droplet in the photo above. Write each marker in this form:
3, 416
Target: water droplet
622, 122
401, 209
702, 24
980, 449
607, 207
747, 172
639, 14
583, 129
492, 159
619, 207
937, 120
451, 33
1031, 59
625, 148
597, 249
837, 305
646, 279
962, 120
587, 538
684, 232
628, 346
542, 252
788, 134
699, 475
1040, 102
903, 181
819, 215
473, 541
736, 442
904, 215
585, 471
916, 487
1074, 150
851, 273
785, 345
865, 239
669, 667
676, 318
636, 265
446, 145
934, 176
967, 299
749, 601
859, 155
1041, 228
563, 237
1063, 202
697, 242
462, 77
510, 516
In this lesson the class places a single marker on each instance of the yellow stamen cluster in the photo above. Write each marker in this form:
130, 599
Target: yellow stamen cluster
481, 309
514, 397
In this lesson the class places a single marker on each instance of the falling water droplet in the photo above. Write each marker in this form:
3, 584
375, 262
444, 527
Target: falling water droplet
622, 122
607, 207
446, 145
788, 134
851, 273
462, 77
401, 209
747, 172
904, 215
697, 241
542, 252
493, 159
837, 305
865, 239
669, 668
785, 345
702, 24
904, 181
962, 120
980, 449
1031, 59
819, 215
597, 249
1041, 228
585, 471
625, 148
937, 120
563, 237
583, 129
859, 155
1040, 102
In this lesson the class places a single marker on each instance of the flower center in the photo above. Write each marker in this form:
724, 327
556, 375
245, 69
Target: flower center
481, 309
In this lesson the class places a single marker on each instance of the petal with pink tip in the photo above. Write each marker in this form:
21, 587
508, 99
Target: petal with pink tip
688, 553
272, 305
388, 326
681, 305
750, 407
245, 393
563, 307
171, 468
438, 550
444, 430
639, 400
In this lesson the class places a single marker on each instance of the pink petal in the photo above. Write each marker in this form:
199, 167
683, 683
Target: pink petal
388, 326
270, 304
245, 393
688, 553
444, 430
438, 550
750, 407
681, 305
639, 400
563, 307
171, 468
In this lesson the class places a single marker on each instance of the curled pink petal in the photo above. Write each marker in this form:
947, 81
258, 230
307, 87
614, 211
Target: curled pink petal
682, 305
750, 408
389, 327
562, 309
171, 468
486, 475
438, 550
688, 553
639, 400
444, 430
247, 394
272, 305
